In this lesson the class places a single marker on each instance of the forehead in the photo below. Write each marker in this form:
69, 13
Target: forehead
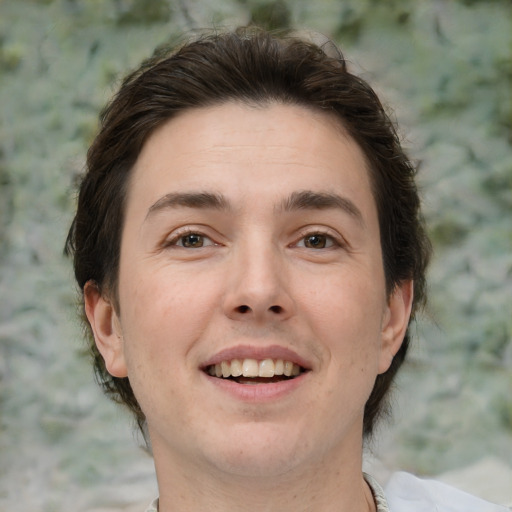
256, 158
273, 144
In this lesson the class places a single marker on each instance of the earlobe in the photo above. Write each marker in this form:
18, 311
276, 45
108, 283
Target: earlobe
107, 331
395, 322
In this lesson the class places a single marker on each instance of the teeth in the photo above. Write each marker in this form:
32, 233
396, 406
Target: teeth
226, 369
236, 368
267, 368
250, 368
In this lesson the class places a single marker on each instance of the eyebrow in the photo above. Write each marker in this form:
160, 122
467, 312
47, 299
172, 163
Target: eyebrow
200, 200
301, 200
309, 200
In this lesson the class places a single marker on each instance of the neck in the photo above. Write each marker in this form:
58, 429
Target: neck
320, 488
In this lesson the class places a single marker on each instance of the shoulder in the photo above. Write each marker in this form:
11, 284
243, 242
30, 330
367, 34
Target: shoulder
407, 493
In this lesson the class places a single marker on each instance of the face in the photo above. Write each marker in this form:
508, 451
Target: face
253, 317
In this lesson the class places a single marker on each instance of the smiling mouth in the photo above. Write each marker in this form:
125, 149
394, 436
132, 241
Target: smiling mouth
252, 371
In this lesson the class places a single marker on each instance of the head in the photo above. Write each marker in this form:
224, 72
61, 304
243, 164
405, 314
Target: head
253, 68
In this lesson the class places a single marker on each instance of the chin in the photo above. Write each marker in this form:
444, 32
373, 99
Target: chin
266, 451
265, 465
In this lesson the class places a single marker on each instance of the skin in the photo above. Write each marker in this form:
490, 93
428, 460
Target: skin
254, 272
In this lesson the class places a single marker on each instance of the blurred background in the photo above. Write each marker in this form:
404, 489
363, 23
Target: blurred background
445, 69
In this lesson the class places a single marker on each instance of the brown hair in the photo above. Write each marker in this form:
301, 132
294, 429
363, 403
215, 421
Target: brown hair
251, 66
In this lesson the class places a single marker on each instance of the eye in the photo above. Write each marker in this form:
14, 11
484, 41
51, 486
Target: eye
192, 241
317, 241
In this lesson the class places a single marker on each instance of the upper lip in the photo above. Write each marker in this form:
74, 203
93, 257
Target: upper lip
259, 353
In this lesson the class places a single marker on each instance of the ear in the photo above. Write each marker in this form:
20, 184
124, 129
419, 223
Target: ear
395, 322
106, 328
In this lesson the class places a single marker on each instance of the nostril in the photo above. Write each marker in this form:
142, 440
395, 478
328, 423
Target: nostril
247, 309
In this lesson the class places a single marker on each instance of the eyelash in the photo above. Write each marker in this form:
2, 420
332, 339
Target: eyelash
329, 237
333, 240
173, 242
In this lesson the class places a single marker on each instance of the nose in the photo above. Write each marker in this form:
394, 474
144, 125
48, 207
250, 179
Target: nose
258, 287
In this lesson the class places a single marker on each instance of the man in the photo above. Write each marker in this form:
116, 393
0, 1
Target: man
250, 247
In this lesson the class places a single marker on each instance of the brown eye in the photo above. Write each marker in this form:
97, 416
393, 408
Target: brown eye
317, 241
193, 241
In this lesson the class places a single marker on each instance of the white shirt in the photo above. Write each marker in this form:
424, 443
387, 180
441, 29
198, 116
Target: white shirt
407, 493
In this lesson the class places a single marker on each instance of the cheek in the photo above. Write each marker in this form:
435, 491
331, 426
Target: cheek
163, 312
346, 317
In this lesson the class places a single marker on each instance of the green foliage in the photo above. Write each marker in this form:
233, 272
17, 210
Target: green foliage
6, 206
10, 57
503, 407
142, 11
272, 15
504, 3
448, 232
498, 185
357, 17
350, 27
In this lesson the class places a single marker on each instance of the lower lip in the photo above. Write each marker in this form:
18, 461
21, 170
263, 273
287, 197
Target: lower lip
257, 392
